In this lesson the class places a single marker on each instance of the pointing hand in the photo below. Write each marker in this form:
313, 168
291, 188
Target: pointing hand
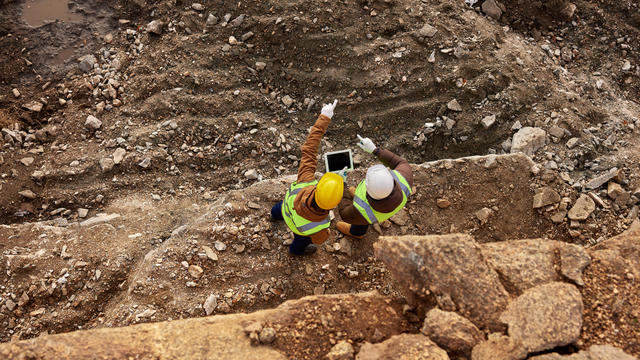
366, 144
327, 109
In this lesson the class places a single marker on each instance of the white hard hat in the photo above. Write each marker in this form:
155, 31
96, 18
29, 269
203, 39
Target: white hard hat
379, 182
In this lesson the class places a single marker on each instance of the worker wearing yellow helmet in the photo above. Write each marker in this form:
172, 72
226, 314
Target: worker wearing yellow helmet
306, 205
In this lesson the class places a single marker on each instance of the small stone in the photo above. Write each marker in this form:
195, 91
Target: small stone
28, 194
568, 11
487, 121
614, 190
10, 305
443, 203
557, 132
499, 346
251, 174
87, 62
237, 21
483, 215
92, 122
108, 38
145, 163
195, 271
34, 106
118, 155
267, 335
558, 217
427, 31
210, 304
626, 66
454, 105
233, 40
37, 312
82, 213
253, 205
449, 123
571, 143
545, 196
451, 331
583, 207
219, 245
155, 27
197, 7
106, 164
287, 100
246, 36
602, 179
516, 126
16, 93
211, 20
432, 57
260, 65
27, 161
528, 140
493, 9
211, 255
506, 145
254, 327
341, 351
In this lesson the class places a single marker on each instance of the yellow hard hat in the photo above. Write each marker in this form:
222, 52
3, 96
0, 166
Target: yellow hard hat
329, 191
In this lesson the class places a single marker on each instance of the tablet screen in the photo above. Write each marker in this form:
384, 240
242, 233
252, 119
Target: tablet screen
338, 161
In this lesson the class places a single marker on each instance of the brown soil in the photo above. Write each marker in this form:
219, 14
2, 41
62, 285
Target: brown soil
230, 118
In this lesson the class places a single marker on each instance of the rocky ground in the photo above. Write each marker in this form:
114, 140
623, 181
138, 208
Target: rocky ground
143, 144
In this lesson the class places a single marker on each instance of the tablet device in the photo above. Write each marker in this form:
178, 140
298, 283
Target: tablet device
337, 160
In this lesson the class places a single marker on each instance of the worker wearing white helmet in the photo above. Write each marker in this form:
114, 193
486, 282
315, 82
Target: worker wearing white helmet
383, 192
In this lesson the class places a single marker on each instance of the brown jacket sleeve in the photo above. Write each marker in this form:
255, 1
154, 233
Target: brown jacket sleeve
320, 237
350, 214
308, 161
396, 163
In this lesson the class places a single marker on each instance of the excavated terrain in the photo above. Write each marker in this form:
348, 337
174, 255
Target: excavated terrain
158, 209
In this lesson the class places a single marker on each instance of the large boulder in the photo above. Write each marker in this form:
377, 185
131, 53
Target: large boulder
612, 291
447, 270
545, 316
523, 264
403, 347
451, 331
294, 323
595, 352
499, 347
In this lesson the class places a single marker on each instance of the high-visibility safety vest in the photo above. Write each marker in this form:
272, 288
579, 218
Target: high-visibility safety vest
372, 216
295, 222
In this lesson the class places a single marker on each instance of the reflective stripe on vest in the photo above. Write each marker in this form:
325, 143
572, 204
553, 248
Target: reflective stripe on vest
368, 212
295, 222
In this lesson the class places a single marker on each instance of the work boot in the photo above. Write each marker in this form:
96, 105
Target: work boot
345, 228
310, 249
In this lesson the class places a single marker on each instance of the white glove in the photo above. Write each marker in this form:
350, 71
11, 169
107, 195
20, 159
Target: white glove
327, 109
366, 144
343, 173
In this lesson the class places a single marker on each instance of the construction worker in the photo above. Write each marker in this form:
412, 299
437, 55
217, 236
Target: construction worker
379, 196
306, 205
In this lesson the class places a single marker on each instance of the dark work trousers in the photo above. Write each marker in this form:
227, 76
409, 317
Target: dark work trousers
358, 230
300, 242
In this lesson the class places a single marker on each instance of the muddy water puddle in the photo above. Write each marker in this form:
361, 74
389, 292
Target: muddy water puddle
62, 56
37, 12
